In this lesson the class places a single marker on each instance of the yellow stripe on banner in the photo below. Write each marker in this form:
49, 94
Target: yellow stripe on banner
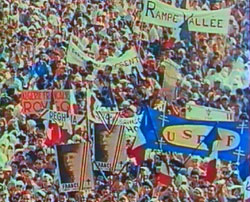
118, 148
83, 166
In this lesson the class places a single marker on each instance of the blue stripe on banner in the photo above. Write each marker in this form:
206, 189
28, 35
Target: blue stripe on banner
184, 136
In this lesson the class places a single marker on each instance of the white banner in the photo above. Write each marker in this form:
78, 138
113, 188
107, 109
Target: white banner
159, 13
196, 112
171, 76
129, 59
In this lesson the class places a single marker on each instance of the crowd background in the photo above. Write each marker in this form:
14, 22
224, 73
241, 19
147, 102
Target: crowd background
33, 46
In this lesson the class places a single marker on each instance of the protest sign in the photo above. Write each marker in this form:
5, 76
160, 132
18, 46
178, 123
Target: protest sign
70, 158
196, 112
171, 77
64, 120
162, 14
35, 101
110, 147
126, 61
186, 136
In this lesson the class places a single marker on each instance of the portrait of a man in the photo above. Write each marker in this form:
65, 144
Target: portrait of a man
69, 162
109, 145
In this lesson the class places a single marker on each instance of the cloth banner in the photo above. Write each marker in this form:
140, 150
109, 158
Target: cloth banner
109, 148
35, 101
65, 120
171, 76
185, 136
196, 112
159, 13
70, 158
76, 55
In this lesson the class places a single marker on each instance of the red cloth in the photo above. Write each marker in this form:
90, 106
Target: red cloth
55, 135
138, 153
211, 171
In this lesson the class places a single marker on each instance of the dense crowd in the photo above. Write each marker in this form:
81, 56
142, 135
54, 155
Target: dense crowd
34, 40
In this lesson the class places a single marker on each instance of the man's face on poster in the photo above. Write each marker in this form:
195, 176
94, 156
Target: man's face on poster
70, 159
105, 139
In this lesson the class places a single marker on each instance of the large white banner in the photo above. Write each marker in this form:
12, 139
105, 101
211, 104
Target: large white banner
159, 13
171, 76
196, 112
129, 59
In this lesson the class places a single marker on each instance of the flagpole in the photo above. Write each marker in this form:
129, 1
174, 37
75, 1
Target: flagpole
194, 150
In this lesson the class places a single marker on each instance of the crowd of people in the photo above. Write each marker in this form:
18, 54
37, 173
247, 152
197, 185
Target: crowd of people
34, 39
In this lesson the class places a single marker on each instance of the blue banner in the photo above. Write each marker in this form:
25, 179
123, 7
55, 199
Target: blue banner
171, 133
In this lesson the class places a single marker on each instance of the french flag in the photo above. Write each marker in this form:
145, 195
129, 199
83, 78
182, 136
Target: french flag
137, 151
165, 175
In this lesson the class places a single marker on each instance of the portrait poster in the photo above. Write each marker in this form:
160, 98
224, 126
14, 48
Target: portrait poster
74, 167
109, 147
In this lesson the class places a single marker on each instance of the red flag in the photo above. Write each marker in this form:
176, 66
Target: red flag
164, 177
211, 171
55, 135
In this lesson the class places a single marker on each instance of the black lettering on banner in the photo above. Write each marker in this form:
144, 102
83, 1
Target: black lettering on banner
51, 114
130, 129
212, 23
248, 186
197, 22
170, 16
204, 23
191, 21
219, 23
150, 7
175, 18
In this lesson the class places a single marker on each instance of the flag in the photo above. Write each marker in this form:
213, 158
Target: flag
185, 32
164, 177
55, 135
146, 129
211, 171
244, 169
211, 138
72, 102
137, 151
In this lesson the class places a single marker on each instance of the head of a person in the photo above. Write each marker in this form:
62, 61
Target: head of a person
63, 197
198, 195
69, 160
147, 186
103, 139
123, 199
132, 195
50, 197
211, 191
26, 197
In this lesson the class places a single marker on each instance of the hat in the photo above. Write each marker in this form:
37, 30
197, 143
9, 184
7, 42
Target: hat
224, 97
217, 79
206, 81
198, 191
217, 98
148, 183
